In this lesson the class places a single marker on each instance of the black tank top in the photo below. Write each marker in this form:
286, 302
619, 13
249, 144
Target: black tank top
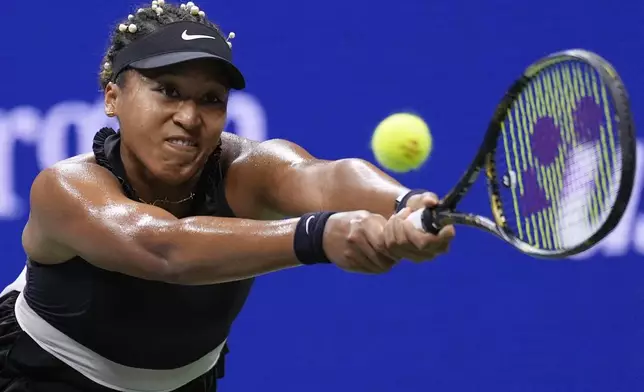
131, 321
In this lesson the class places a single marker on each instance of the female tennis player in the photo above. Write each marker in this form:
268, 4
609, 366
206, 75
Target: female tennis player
141, 254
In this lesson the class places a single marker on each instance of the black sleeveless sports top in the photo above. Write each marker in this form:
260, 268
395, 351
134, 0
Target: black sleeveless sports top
131, 321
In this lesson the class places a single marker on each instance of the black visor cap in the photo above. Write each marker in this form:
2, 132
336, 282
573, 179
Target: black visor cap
177, 43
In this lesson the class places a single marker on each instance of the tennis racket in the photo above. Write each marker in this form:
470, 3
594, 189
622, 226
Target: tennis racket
559, 158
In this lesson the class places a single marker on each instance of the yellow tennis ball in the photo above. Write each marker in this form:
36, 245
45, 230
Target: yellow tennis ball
401, 142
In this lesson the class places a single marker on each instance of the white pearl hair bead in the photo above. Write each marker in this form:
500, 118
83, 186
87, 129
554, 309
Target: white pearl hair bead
159, 11
122, 28
130, 17
154, 6
231, 35
230, 44
202, 14
107, 66
194, 10
155, 2
132, 28
140, 10
161, 2
182, 6
190, 4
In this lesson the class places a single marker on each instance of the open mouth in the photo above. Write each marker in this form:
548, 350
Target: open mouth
182, 142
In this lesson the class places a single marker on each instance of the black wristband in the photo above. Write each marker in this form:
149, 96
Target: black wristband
402, 201
307, 241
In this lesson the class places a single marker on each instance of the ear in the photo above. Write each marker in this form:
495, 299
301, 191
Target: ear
112, 93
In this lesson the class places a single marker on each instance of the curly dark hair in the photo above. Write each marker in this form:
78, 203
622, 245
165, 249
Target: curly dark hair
146, 20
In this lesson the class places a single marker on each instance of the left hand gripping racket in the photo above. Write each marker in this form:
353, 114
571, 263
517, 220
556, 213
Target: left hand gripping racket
559, 158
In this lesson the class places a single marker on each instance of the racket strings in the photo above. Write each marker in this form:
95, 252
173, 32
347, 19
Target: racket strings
558, 158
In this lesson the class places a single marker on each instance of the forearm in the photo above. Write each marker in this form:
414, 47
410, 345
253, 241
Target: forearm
355, 184
205, 250
343, 185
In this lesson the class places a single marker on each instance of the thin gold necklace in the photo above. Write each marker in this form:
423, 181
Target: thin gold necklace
166, 201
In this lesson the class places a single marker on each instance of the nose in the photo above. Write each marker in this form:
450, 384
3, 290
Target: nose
187, 115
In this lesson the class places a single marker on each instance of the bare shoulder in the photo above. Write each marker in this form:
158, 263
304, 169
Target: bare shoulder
57, 195
72, 185
82, 158
257, 169
76, 170
234, 147
240, 150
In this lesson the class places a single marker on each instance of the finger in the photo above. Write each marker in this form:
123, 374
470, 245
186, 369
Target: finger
404, 213
360, 263
432, 244
423, 246
397, 226
376, 249
440, 244
417, 238
392, 248
388, 232
429, 199
374, 262
393, 226
447, 233
401, 247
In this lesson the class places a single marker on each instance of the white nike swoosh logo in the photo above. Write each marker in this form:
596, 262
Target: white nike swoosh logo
307, 224
188, 37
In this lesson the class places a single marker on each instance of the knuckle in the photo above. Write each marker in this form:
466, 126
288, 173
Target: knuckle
401, 239
417, 242
375, 220
448, 233
361, 215
348, 255
381, 249
420, 245
427, 242
381, 219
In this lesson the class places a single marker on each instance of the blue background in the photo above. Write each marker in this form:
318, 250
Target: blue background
323, 74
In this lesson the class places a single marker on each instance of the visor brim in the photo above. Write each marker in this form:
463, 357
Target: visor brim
233, 74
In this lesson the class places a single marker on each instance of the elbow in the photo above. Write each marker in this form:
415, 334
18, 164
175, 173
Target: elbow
168, 266
164, 269
173, 253
164, 260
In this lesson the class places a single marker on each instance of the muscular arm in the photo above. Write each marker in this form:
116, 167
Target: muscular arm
78, 209
286, 180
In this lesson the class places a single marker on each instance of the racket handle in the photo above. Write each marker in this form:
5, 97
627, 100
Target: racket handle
424, 219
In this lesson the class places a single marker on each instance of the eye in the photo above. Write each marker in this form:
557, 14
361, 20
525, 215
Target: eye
212, 99
168, 91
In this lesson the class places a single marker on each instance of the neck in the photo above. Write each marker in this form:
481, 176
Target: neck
175, 198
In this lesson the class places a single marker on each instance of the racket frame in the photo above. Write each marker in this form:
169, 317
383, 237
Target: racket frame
445, 213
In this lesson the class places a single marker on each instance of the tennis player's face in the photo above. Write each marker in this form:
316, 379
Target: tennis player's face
171, 119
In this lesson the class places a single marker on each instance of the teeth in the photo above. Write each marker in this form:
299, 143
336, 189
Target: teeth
182, 142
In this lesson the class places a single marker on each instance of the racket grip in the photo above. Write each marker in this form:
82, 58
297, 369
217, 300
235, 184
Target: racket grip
424, 219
